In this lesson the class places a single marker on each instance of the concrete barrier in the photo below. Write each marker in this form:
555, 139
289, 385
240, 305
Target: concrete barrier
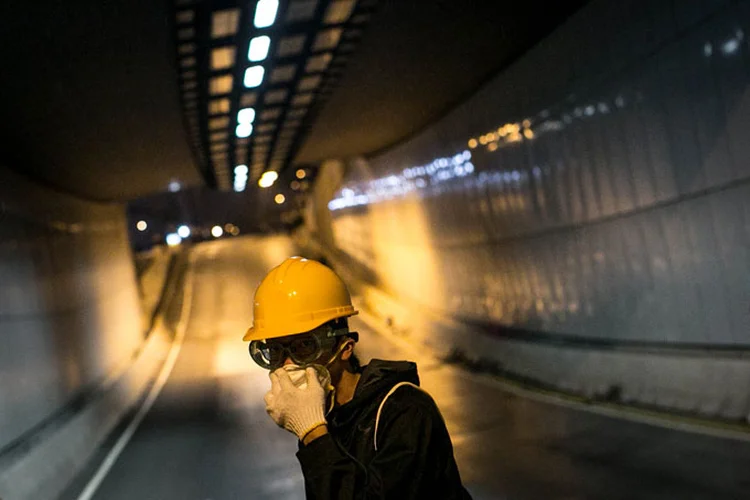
43, 466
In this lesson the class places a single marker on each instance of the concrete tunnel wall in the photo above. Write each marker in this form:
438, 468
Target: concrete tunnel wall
70, 317
583, 220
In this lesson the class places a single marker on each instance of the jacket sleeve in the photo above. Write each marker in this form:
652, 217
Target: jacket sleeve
414, 458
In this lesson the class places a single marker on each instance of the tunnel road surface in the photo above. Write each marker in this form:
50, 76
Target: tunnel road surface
208, 437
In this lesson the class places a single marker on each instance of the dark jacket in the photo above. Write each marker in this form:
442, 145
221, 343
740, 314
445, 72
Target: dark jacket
415, 455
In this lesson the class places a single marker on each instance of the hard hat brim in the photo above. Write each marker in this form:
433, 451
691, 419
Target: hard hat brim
254, 333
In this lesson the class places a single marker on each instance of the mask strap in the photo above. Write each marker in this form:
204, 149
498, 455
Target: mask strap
332, 393
338, 353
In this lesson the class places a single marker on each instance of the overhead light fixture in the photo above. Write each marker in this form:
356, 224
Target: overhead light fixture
240, 177
244, 130
259, 47
265, 13
267, 179
173, 239
301, 173
141, 225
279, 199
183, 231
216, 231
254, 76
246, 115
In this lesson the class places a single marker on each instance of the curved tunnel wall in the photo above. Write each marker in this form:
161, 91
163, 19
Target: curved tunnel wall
596, 192
69, 307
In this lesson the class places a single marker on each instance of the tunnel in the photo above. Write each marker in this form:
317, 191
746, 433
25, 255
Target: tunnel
541, 204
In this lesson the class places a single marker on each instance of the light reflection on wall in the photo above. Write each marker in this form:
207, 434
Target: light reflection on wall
409, 180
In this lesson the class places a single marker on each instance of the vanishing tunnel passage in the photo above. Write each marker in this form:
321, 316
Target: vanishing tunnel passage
544, 208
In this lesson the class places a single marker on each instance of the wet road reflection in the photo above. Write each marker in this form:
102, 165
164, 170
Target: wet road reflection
208, 436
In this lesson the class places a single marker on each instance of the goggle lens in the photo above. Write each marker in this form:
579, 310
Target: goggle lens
271, 354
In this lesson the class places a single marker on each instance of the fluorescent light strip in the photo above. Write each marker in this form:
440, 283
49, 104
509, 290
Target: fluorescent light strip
254, 76
265, 13
259, 47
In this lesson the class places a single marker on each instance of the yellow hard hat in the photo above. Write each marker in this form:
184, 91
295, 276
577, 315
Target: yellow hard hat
295, 297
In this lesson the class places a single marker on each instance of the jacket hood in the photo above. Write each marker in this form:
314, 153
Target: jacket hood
377, 378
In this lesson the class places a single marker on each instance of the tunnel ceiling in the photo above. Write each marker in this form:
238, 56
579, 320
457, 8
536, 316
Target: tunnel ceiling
416, 61
89, 97
94, 92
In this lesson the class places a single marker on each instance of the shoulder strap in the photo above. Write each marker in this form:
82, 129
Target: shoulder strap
380, 408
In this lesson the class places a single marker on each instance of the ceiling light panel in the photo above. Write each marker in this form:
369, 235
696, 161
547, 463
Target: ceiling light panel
222, 58
185, 16
290, 45
327, 40
225, 23
218, 106
258, 48
270, 114
318, 63
302, 100
220, 85
300, 11
275, 96
296, 113
218, 123
265, 13
338, 11
186, 48
248, 99
309, 83
283, 73
266, 127
254, 76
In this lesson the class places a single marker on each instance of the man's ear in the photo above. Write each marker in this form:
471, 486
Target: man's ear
347, 351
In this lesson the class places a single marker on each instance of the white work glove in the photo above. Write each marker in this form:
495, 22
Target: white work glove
297, 410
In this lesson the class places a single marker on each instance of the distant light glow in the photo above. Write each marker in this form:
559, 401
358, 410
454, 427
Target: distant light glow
240, 178
217, 231
141, 225
254, 76
235, 231
246, 115
243, 130
301, 173
174, 186
267, 179
183, 231
730, 46
265, 13
259, 47
279, 199
173, 239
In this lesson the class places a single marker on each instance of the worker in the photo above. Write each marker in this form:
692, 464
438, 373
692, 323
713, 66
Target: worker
364, 431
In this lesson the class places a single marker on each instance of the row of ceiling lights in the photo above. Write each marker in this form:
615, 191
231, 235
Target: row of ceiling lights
265, 16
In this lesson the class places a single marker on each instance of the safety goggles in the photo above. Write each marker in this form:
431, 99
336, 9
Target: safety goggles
303, 349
